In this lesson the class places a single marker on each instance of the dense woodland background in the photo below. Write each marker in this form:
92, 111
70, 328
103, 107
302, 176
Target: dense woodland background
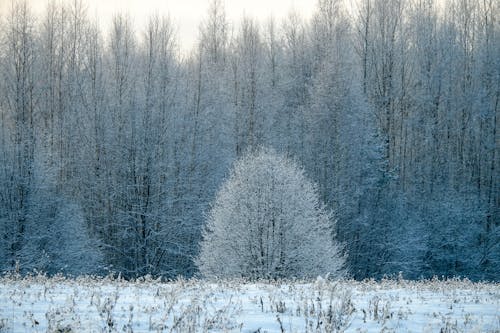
113, 145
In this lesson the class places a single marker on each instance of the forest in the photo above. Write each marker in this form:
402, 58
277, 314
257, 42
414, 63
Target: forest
114, 142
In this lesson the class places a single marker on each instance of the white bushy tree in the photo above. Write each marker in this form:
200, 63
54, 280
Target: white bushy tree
267, 222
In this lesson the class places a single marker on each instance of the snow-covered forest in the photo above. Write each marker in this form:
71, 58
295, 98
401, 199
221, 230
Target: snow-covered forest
114, 144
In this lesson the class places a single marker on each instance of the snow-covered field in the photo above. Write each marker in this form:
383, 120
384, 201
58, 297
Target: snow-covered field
40, 304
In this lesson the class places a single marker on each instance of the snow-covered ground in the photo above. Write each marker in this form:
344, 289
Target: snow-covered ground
103, 305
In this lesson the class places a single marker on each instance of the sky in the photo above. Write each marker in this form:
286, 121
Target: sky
187, 14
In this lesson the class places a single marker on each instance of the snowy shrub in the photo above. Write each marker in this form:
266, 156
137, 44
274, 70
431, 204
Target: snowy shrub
58, 241
267, 222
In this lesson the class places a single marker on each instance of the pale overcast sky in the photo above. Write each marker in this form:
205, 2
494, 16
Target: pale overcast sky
186, 14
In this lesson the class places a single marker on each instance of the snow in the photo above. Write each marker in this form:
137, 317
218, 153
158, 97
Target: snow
40, 304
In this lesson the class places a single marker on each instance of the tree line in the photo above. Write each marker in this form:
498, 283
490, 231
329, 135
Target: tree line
113, 145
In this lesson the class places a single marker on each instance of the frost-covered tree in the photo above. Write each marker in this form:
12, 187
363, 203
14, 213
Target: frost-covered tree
267, 222
17, 71
57, 240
